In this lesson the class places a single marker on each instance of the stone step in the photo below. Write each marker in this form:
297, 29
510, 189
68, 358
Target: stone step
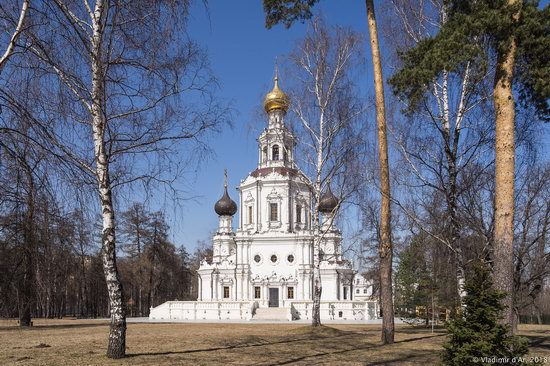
278, 314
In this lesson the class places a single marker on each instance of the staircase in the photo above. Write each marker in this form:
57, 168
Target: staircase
271, 314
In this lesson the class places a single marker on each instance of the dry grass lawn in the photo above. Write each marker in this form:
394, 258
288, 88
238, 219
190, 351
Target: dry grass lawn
83, 342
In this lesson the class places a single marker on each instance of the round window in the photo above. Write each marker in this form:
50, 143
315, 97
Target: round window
274, 258
290, 258
257, 258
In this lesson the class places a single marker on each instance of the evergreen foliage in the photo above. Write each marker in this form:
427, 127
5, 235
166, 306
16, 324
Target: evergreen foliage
287, 11
473, 32
477, 333
413, 280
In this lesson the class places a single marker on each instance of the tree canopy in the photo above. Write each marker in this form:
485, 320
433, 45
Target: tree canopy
287, 11
474, 30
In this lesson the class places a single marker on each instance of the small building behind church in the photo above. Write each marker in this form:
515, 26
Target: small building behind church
263, 269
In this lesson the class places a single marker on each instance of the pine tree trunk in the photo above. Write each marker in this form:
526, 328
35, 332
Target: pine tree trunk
117, 332
386, 249
503, 100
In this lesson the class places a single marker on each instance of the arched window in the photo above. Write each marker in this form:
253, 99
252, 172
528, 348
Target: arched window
275, 152
264, 154
285, 153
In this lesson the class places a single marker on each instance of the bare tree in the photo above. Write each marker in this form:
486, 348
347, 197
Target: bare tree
135, 231
532, 224
327, 111
120, 71
20, 193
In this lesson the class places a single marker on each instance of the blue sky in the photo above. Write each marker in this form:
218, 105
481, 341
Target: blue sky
242, 55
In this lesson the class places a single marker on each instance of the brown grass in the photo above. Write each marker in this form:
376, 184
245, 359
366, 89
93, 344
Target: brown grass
83, 342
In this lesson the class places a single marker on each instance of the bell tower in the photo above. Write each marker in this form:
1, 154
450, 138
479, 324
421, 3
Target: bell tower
276, 143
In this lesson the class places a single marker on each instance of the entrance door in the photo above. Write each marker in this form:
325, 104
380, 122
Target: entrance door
273, 297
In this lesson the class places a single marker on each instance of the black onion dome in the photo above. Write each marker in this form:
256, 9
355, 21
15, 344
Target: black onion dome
328, 202
225, 205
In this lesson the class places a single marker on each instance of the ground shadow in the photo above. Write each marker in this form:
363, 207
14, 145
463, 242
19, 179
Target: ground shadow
369, 346
538, 341
52, 326
249, 342
348, 339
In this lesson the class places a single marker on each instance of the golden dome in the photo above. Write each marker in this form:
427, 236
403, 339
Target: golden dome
276, 98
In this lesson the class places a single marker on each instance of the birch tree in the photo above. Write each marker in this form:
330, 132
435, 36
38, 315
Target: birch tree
327, 113
434, 149
125, 78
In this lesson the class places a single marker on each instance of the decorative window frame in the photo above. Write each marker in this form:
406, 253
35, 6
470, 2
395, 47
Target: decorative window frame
226, 281
265, 154
277, 198
300, 200
248, 202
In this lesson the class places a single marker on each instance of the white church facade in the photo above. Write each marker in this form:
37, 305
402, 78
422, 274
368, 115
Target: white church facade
264, 268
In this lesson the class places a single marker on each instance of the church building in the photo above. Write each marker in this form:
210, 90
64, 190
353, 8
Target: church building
264, 267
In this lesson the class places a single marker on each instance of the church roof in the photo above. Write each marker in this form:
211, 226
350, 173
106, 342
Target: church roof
276, 98
328, 201
225, 205
284, 171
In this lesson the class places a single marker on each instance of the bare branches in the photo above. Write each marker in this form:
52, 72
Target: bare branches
15, 36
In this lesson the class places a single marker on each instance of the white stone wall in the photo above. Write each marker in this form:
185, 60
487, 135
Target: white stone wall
203, 310
273, 189
244, 310
336, 310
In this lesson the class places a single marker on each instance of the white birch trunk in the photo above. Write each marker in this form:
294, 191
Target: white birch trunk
317, 286
117, 332
13, 40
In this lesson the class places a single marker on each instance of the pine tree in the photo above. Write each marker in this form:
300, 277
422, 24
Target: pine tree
413, 282
477, 333
512, 34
